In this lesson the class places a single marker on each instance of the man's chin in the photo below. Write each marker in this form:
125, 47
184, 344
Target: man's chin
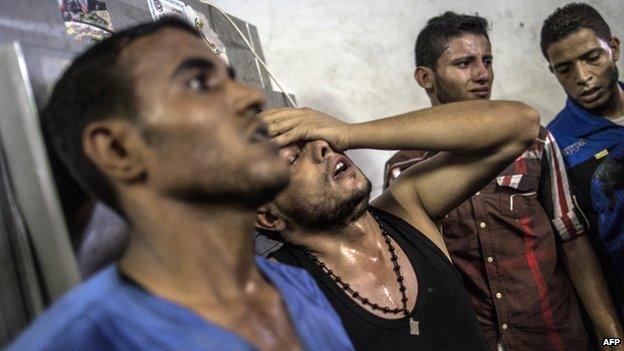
359, 199
266, 180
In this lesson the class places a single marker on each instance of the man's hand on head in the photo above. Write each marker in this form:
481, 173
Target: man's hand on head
289, 125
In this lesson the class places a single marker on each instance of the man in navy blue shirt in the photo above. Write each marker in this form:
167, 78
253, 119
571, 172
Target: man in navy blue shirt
582, 54
152, 123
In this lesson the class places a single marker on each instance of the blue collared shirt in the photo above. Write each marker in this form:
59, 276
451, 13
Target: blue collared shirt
593, 149
110, 313
581, 134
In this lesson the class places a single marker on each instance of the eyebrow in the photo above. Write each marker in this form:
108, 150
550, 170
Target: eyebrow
193, 64
463, 58
470, 57
582, 56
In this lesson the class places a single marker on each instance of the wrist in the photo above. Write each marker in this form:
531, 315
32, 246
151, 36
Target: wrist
351, 134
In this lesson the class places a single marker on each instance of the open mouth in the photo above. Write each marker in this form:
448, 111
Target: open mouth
340, 167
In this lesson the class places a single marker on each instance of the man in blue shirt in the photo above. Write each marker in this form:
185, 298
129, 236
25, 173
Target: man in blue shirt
152, 123
581, 52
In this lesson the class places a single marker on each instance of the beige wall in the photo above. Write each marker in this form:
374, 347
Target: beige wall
354, 59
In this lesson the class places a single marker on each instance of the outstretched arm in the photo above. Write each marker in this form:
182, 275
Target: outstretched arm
477, 139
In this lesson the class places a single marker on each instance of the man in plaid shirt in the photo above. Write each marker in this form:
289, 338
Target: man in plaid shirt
505, 239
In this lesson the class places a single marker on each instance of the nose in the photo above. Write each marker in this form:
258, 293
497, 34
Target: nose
481, 73
583, 75
319, 149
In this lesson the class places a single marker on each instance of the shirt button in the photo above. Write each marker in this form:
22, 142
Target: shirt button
482, 225
504, 326
478, 192
499, 295
490, 259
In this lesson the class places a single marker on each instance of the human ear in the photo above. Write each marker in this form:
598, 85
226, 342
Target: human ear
112, 146
614, 44
424, 77
268, 219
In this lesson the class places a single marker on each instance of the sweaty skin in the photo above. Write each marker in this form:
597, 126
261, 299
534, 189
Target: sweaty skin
479, 139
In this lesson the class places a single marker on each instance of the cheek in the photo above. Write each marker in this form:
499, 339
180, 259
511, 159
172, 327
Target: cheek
455, 80
192, 148
567, 83
305, 183
604, 70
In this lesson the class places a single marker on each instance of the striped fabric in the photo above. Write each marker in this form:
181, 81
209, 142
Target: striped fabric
503, 241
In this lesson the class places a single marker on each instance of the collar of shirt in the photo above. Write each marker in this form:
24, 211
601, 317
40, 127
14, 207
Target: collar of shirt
582, 122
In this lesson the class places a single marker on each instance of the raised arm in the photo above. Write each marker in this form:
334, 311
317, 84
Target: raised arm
477, 139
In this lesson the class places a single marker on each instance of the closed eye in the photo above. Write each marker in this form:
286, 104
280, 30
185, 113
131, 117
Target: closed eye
593, 57
291, 154
562, 69
293, 158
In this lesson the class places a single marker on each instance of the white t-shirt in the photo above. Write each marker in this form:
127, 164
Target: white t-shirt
619, 120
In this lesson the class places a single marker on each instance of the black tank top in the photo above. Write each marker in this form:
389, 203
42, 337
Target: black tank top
445, 315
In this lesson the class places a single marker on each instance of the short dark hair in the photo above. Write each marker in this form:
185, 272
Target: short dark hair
95, 87
569, 19
433, 39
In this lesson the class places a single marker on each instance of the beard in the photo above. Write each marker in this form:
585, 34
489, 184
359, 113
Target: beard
330, 214
205, 175
445, 92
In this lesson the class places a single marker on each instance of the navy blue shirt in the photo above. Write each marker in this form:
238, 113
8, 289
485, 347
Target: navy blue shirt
593, 149
108, 312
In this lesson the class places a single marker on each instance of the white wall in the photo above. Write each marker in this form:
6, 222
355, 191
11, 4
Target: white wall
354, 59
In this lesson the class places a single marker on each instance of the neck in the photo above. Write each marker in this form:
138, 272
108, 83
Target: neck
614, 107
434, 100
360, 239
197, 255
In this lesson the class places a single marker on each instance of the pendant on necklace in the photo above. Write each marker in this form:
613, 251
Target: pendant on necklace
414, 328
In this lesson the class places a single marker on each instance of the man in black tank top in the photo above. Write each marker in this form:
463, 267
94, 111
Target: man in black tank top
385, 268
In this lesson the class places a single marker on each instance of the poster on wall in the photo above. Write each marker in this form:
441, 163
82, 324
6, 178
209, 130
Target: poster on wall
162, 8
199, 21
86, 20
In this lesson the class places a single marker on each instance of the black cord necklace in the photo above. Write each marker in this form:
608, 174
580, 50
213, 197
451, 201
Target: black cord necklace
414, 327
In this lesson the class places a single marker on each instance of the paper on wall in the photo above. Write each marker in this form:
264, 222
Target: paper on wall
199, 21
86, 20
162, 8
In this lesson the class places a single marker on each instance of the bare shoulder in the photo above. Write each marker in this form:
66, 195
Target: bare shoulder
416, 216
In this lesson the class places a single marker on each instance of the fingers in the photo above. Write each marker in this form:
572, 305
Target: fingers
289, 137
278, 127
282, 120
288, 125
278, 114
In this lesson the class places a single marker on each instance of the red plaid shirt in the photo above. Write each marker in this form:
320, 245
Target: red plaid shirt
503, 240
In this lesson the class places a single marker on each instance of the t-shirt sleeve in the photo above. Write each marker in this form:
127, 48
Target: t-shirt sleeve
556, 196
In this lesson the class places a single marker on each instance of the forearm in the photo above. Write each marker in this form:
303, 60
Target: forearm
465, 127
587, 278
